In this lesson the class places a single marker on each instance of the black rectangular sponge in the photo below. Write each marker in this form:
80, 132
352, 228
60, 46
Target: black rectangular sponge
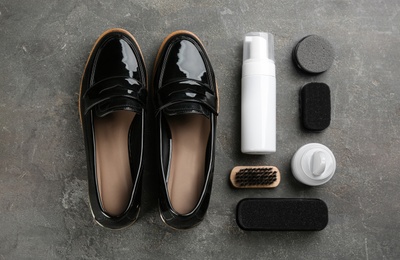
315, 106
271, 214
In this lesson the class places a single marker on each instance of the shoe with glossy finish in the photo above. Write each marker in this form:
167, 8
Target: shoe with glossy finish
186, 102
112, 111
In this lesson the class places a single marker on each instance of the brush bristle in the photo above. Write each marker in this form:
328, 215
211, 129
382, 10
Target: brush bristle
260, 177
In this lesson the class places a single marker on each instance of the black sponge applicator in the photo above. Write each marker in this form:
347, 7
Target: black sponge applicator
269, 214
313, 54
315, 106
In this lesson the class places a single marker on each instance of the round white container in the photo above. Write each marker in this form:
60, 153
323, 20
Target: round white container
313, 164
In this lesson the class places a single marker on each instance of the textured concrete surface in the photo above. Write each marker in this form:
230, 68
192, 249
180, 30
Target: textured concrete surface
44, 211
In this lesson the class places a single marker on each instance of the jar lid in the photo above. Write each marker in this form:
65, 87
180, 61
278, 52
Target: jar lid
313, 164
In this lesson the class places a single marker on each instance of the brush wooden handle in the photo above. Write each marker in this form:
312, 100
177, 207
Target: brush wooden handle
255, 177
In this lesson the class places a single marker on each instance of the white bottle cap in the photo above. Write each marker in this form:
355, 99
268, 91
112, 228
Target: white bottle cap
258, 54
258, 45
313, 164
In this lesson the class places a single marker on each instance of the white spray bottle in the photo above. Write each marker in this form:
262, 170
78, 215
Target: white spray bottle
258, 94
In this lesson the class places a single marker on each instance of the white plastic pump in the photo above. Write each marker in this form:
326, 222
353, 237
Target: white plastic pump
258, 115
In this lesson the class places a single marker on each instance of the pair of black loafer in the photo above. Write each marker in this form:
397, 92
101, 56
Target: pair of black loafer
112, 108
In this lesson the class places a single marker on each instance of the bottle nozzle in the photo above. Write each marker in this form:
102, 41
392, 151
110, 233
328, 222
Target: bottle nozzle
258, 45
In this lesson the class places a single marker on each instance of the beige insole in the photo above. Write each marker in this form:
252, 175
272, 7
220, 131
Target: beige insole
112, 161
190, 135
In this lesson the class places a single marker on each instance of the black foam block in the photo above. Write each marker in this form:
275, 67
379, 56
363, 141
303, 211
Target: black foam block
313, 54
269, 214
315, 106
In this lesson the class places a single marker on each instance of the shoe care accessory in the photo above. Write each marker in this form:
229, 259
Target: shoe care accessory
270, 214
258, 122
315, 106
255, 177
313, 164
313, 54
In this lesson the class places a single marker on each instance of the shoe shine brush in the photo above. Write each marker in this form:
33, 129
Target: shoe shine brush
282, 214
255, 177
258, 122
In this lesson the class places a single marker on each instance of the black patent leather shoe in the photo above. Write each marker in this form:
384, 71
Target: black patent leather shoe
186, 103
112, 109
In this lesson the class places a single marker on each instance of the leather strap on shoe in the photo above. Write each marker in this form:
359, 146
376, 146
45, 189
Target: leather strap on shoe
184, 92
116, 93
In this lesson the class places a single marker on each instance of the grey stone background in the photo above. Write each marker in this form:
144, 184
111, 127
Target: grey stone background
44, 211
